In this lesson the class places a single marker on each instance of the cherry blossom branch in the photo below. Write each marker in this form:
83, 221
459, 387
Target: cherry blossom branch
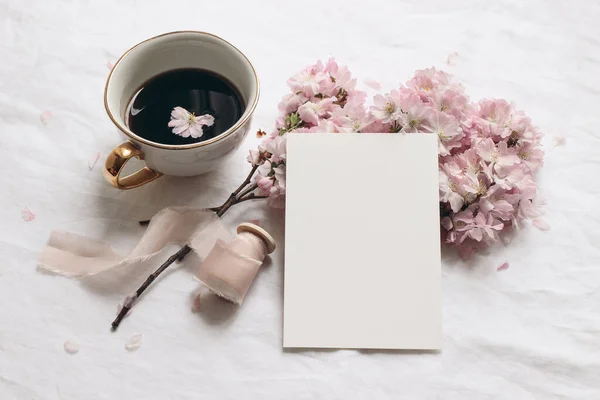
232, 195
242, 193
250, 189
251, 196
128, 304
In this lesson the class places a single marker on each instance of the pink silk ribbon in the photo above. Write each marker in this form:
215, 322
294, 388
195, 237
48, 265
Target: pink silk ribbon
74, 255
229, 269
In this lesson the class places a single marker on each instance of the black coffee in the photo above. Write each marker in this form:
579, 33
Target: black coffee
197, 90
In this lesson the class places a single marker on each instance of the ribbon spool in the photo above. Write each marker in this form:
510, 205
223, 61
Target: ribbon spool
229, 269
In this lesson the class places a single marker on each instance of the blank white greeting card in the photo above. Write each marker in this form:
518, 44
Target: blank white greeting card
362, 247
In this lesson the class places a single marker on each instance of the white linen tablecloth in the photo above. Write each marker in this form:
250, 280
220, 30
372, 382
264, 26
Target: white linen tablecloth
529, 332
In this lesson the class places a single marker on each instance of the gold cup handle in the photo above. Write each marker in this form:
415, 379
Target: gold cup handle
115, 162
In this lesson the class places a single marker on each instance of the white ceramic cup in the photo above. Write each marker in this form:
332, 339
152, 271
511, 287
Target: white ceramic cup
186, 49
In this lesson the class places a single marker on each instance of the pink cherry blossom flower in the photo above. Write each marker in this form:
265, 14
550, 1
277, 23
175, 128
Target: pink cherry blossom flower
186, 124
327, 126
291, 102
530, 209
265, 184
508, 177
488, 151
311, 112
449, 192
495, 205
469, 161
422, 81
527, 187
478, 228
447, 130
427, 81
415, 114
496, 116
342, 77
280, 175
277, 197
352, 118
451, 101
309, 80
531, 156
255, 157
386, 108
277, 147
499, 155
474, 185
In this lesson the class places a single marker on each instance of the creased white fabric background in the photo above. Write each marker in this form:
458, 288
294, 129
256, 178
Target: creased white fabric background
529, 332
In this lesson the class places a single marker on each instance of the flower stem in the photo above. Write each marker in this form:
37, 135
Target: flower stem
236, 197
128, 304
232, 195
250, 189
251, 196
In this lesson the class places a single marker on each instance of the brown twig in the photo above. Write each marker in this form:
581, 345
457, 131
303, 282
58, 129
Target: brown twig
251, 196
247, 180
128, 304
232, 195
250, 189
236, 197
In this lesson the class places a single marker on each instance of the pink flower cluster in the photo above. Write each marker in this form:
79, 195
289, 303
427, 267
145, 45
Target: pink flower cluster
323, 98
489, 152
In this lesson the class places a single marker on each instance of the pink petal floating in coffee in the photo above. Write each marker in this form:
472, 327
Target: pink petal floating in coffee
373, 84
503, 266
540, 224
27, 214
559, 140
45, 117
71, 346
452, 58
134, 342
93, 160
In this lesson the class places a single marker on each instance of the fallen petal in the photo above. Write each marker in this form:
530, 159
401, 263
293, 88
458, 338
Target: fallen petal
503, 266
559, 140
540, 224
27, 214
452, 58
373, 84
71, 346
196, 305
93, 160
45, 117
109, 65
134, 342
